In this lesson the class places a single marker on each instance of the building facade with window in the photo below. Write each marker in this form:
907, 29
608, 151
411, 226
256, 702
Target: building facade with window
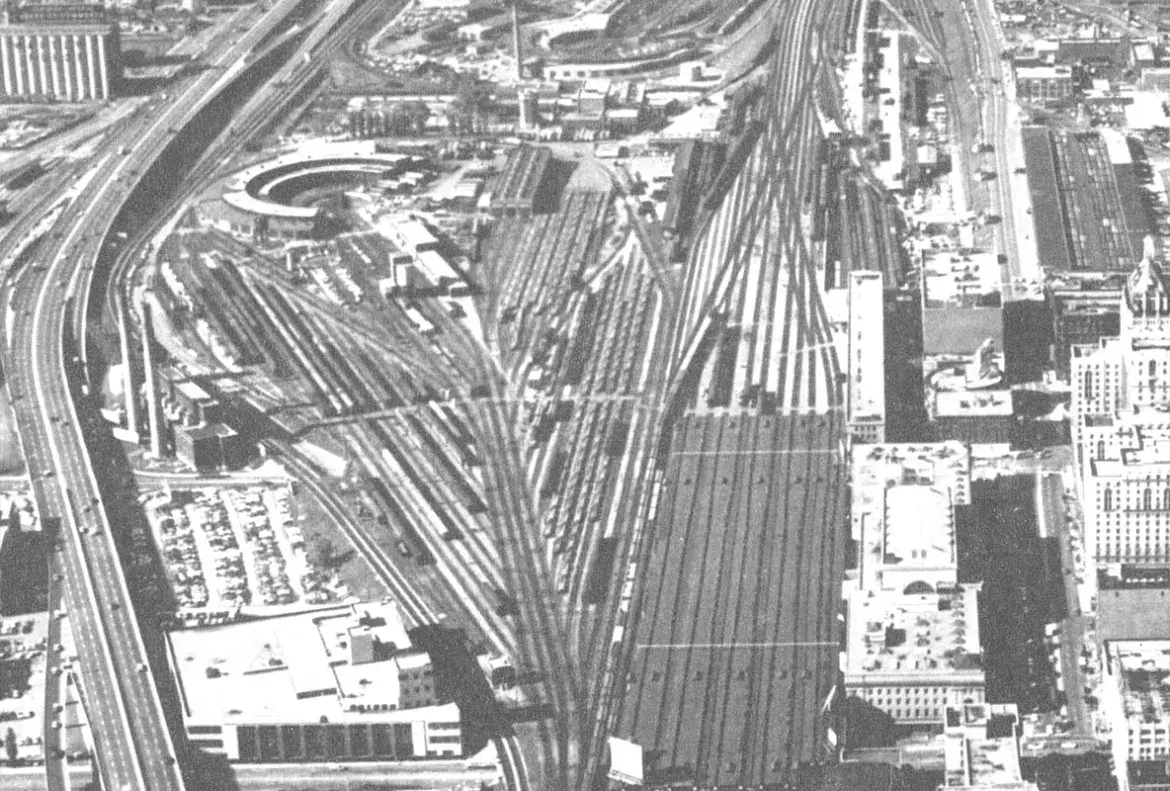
913, 647
60, 51
336, 684
1121, 425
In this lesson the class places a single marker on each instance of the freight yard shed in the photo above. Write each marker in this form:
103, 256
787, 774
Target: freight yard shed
522, 188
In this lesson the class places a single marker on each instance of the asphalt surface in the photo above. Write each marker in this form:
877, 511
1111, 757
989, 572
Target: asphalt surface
132, 738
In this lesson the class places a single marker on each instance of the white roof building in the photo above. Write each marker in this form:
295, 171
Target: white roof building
334, 684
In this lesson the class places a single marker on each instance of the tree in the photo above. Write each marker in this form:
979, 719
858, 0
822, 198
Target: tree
322, 552
471, 98
10, 746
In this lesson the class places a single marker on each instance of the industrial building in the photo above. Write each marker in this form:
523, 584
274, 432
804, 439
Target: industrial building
65, 52
419, 268
1084, 230
519, 189
1048, 85
891, 166
867, 373
913, 647
212, 446
259, 201
337, 684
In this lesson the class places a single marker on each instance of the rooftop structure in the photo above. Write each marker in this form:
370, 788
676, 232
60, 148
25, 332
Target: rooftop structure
890, 171
352, 667
1137, 699
971, 404
913, 632
867, 383
1045, 84
980, 748
1085, 309
951, 278
1125, 468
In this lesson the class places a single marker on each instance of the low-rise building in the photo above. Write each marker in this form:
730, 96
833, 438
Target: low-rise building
866, 369
338, 684
981, 749
1051, 85
1127, 596
1136, 698
209, 446
913, 644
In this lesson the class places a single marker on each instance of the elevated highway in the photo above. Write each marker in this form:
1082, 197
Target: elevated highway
43, 361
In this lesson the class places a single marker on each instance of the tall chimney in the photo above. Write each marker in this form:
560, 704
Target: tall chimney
517, 46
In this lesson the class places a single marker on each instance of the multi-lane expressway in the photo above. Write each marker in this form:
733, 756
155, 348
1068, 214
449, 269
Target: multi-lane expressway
133, 743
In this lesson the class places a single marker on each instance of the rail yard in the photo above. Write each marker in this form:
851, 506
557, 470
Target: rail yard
488, 395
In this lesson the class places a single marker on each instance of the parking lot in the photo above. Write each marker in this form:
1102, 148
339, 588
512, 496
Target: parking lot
22, 679
233, 548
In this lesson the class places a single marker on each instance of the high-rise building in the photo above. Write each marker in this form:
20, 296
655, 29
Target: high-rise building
1121, 426
63, 51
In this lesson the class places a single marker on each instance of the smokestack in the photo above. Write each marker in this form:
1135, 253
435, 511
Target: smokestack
517, 46
128, 362
152, 403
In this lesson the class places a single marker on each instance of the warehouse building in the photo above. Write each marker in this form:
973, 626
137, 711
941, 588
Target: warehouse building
337, 684
867, 383
520, 189
1098, 230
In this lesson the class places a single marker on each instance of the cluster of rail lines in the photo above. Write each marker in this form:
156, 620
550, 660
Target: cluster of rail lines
728, 645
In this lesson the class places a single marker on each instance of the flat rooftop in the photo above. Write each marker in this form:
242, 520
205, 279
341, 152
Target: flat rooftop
980, 747
867, 373
1140, 445
925, 637
1143, 670
951, 278
903, 500
287, 669
973, 403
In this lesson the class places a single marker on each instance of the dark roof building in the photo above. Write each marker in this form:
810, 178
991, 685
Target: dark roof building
1086, 205
520, 187
1129, 601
